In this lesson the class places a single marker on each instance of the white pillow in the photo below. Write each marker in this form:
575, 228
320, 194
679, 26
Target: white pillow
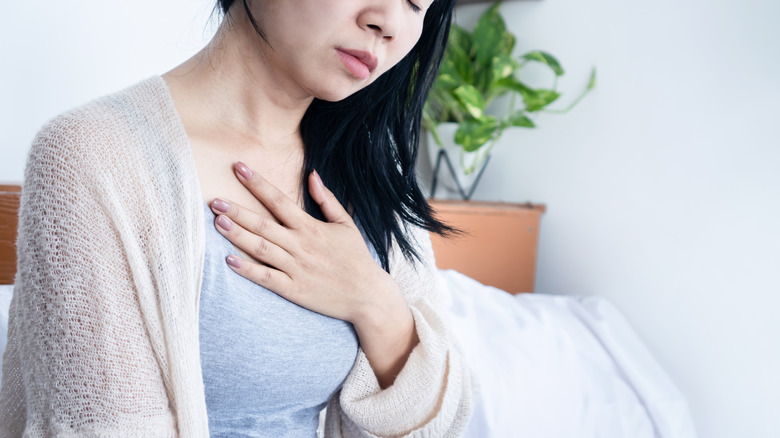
559, 366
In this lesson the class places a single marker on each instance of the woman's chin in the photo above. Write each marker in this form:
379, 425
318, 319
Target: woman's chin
339, 90
331, 96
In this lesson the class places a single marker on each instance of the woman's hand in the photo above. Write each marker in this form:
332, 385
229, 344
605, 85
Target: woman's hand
325, 267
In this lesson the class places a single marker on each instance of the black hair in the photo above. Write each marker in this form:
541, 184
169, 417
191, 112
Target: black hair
365, 147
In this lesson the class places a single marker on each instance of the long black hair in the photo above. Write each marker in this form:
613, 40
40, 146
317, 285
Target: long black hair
365, 147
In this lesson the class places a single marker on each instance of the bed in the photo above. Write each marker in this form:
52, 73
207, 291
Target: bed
549, 366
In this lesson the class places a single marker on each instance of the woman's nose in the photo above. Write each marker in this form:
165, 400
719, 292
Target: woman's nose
380, 31
383, 18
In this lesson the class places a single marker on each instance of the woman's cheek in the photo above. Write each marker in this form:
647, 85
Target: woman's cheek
408, 44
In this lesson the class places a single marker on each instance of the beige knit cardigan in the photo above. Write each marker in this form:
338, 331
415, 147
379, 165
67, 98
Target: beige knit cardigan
103, 331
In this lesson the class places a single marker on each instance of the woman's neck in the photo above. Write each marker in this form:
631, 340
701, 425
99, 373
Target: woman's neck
235, 106
232, 93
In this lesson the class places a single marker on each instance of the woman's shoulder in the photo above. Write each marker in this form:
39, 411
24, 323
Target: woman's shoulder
138, 124
124, 117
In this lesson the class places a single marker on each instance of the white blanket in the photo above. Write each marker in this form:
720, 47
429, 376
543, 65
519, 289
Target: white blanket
549, 367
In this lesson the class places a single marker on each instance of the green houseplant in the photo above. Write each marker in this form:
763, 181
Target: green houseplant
479, 67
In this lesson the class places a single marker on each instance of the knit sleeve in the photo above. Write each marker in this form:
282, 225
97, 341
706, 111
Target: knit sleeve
79, 359
433, 395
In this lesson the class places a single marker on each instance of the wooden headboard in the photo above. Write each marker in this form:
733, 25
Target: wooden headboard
9, 208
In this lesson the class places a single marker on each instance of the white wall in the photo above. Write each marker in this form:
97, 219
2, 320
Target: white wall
663, 189
56, 55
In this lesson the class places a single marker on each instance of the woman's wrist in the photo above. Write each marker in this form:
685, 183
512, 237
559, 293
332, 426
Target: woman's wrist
387, 335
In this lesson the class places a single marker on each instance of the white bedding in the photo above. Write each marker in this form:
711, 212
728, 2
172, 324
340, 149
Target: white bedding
560, 366
549, 367
5, 301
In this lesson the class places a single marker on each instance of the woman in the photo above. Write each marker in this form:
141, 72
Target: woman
127, 318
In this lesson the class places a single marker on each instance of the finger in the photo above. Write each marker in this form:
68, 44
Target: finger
257, 247
329, 204
251, 221
282, 207
266, 276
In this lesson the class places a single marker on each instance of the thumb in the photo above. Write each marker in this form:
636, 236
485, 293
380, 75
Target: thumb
330, 206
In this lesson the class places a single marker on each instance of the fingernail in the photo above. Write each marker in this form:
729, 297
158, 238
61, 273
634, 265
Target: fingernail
220, 205
224, 223
317, 176
243, 170
234, 261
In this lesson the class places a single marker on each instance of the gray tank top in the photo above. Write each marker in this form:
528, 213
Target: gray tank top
269, 366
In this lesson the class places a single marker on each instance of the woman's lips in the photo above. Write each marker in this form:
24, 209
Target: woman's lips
359, 63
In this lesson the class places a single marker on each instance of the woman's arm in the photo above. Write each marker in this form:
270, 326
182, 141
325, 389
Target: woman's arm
434, 393
80, 359
387, 337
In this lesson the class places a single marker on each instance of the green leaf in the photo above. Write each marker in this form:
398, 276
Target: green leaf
520, 119
547, 96
511, 84
488, 37
472, 134
507, 43
459, 54
544, 58
447, 73
460, 38
536, 100
502, 66
447, 81
471, 99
